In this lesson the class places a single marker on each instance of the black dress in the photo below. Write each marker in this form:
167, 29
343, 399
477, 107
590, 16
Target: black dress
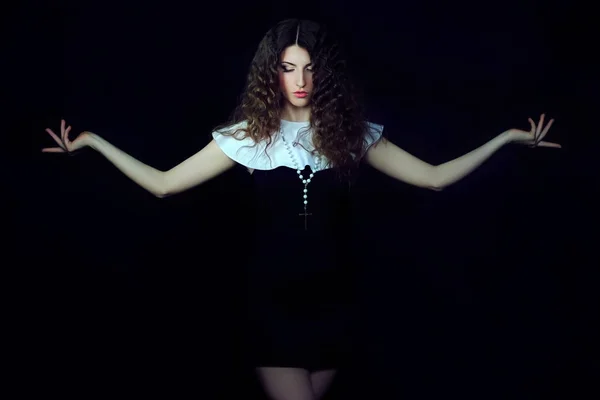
301, 299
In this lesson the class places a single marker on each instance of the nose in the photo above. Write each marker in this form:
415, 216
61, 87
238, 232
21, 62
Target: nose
300, 81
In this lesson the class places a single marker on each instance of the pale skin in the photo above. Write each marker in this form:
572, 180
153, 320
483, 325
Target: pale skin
295, 73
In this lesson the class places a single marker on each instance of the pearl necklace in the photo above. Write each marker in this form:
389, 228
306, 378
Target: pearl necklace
299, 171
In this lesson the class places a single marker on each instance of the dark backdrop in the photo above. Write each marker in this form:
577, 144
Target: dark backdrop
487, 289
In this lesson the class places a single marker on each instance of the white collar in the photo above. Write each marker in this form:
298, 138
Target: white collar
297, 134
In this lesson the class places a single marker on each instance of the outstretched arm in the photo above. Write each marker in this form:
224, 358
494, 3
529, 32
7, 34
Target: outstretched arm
397, 163
449, 172
144, 175
199, 168
393, 161
452, 171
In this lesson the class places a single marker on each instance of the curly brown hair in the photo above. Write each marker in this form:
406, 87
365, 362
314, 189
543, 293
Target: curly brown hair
337, 115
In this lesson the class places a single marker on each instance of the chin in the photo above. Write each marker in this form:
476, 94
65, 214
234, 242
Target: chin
300, 102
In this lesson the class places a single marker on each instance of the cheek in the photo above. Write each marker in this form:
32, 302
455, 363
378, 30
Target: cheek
282, 83
309, 81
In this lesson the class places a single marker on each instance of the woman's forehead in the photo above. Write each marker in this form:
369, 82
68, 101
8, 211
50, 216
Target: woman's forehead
295, 55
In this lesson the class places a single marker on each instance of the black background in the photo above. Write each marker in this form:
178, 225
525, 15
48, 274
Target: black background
487, 289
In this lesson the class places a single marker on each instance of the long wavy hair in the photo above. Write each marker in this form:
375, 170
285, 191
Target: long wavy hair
337, 116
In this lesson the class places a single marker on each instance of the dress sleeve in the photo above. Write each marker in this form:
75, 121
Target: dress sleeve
244, 151
375, 133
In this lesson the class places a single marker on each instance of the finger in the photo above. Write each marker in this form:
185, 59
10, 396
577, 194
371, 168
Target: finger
532, 126
62, 129
539, 127
546, 129
53, 150
548, 144
67, 134
56, 139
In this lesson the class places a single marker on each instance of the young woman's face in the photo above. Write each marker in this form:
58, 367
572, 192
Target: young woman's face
295, 75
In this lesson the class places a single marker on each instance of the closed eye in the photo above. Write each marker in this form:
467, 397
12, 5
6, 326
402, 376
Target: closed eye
290, 70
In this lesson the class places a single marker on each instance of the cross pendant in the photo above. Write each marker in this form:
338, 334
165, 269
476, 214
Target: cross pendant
305, 215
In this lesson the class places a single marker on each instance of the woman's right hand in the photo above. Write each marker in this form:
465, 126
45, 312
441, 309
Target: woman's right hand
65, 145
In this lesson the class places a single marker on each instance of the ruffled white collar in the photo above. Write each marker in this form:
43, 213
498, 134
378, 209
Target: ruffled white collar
299, 137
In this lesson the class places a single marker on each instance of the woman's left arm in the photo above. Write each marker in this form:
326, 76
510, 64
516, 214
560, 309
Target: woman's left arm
452, 171
397, 163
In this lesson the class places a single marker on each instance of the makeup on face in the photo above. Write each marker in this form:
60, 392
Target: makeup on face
296, 82
296, 70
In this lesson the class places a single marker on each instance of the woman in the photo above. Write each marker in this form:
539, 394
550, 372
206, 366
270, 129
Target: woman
299, 111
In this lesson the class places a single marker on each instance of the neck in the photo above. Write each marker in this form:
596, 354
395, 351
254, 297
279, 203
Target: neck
296, 114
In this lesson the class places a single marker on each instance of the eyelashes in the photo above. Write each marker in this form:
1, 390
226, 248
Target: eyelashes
290, 70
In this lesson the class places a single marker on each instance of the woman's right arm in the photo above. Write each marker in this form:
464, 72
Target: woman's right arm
199, 168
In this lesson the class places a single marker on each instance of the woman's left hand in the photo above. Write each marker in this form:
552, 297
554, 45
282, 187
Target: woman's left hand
534, 137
